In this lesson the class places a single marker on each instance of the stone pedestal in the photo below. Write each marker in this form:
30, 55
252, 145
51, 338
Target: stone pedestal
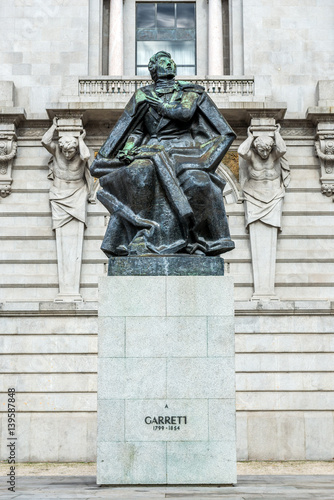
263, 239
69, 239
166, 377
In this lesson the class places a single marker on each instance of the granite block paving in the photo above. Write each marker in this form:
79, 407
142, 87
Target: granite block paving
296, 487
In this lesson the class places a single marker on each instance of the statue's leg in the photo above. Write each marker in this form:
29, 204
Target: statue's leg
140, 204
206, 200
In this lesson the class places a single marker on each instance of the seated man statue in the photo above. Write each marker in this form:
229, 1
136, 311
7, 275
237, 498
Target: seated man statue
157, 170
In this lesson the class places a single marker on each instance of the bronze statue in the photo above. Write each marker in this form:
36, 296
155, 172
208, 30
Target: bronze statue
157, 170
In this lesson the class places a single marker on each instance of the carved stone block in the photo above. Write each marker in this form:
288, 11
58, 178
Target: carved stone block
324, 147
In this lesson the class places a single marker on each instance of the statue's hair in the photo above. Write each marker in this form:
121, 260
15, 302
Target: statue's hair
265, 141
68, 141
153, 62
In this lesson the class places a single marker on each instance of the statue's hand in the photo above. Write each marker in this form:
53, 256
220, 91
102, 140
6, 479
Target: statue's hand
278, 127
154, 101
157, 103
249, 132
83, 134
55, 121
124, 156
127, 155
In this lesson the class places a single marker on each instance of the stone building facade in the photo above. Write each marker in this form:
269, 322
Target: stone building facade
263, 64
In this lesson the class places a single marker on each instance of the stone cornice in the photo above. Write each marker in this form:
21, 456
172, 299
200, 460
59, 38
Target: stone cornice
320, 114
12, 115
236, 112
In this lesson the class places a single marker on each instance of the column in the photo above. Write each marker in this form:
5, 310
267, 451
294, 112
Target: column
116, 38
215, 38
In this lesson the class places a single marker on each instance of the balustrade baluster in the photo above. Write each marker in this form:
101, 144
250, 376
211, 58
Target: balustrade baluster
212, 86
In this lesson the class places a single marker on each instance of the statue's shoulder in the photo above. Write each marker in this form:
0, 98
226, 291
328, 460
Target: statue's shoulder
140, 94
146, 89
190, 87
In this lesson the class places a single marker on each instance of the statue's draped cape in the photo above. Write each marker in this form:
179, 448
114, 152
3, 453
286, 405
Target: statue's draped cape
264, 205
68, 200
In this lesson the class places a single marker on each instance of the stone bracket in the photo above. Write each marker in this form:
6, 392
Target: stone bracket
323, 118
324, 147
69, 121
9, 119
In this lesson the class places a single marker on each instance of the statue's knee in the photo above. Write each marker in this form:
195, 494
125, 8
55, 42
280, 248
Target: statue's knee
139, 171
201, 179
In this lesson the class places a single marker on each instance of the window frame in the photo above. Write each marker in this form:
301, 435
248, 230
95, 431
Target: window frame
195, 41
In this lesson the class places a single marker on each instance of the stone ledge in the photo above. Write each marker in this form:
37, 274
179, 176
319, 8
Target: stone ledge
242, 308
48, 308
284, 308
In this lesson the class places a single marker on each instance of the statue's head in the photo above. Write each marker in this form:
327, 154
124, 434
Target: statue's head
263, 146
69, 146
3, 148
161, 65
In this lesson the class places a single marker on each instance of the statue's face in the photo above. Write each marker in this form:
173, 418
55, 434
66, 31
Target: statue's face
263, 146
263, 151
69, 153
165, 67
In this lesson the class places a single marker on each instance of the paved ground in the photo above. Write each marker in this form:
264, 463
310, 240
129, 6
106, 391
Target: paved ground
298, 486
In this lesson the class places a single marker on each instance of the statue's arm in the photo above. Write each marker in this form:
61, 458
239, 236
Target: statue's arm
48, 136
183, 110
245, 148
135, 139
280, 146
83, 149
91, 185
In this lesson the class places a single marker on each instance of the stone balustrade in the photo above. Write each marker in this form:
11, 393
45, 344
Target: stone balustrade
107, 85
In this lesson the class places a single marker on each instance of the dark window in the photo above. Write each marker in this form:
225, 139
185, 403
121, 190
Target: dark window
226, 37
105, 36
166, 26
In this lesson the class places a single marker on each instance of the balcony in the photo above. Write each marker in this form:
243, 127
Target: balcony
103, 98
106, 86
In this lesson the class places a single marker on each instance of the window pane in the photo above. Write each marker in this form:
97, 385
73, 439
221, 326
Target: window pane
181, 52
169, 27
145, 15
143, 71
185, 15
186, 70
165, 15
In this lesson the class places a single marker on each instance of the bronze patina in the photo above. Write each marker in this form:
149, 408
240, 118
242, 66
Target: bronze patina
157, 170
